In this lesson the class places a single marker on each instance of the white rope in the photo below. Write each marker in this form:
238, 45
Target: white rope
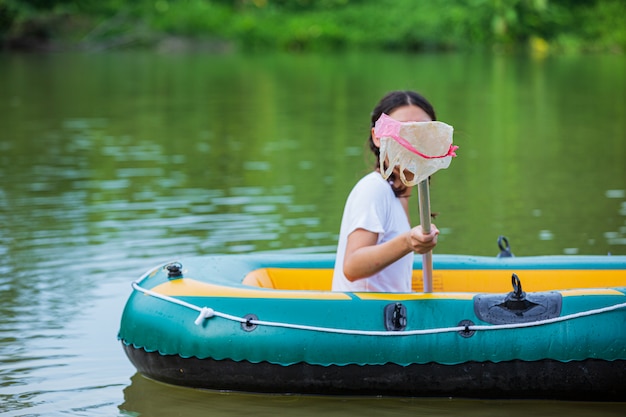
206, 312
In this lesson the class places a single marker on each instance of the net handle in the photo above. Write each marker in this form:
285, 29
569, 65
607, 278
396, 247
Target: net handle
427, 258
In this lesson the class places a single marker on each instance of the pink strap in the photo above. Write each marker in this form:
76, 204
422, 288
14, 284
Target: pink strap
387, 127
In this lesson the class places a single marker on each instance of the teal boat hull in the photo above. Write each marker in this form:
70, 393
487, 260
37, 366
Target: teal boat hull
204, 328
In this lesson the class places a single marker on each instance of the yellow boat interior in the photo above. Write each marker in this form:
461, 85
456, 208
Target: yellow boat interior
465, 280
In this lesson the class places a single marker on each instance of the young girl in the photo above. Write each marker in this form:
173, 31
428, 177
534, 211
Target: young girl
376, 241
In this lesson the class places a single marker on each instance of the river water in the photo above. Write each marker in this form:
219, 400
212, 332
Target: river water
111, 163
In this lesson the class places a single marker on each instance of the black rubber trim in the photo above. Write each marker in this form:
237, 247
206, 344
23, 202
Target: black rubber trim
588, 380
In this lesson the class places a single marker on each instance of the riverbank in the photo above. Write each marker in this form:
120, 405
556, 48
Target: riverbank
542, 26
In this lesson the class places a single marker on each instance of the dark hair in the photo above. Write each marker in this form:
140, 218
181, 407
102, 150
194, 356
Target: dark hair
388, 104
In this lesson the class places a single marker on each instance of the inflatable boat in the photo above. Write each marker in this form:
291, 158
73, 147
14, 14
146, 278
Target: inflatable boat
507, 327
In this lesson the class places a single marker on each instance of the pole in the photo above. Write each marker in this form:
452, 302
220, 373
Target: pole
427, 258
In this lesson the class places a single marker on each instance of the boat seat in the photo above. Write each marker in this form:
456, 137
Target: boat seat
290, 279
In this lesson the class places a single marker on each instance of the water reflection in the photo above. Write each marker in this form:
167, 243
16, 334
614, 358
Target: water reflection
148, 398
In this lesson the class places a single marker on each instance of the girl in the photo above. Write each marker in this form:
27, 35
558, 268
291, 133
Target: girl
376, 241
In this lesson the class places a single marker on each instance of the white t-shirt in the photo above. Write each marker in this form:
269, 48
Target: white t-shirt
373, 206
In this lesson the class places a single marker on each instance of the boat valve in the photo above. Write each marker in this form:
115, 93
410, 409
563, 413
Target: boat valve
395, 316
174, 270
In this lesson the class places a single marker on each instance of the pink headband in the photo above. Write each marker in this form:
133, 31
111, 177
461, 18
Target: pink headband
387, 127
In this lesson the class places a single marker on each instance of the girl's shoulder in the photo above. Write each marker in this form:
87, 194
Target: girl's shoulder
373, 182
372, 186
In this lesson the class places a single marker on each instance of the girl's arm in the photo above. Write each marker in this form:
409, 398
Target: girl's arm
365, 258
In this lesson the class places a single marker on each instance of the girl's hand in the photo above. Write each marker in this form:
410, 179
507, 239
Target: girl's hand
422, 243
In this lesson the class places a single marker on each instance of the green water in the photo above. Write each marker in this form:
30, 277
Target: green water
112, 163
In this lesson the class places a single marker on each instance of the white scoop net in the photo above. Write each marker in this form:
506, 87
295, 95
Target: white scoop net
418, 148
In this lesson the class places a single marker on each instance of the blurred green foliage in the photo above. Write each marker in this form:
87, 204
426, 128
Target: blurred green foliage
541, 25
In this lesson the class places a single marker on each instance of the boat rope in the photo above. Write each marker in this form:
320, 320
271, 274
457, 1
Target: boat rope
207, 312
